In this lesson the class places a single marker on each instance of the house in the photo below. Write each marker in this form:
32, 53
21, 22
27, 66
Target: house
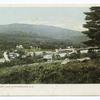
47, 57
30, 54
39, 53
68, 50
13, 55
48, 52
69, 53
23, 56
62, 54
97, 50
56, 50
84, 59
65, 61
19, 47
2, 60
84, 51
6, 56
69, 47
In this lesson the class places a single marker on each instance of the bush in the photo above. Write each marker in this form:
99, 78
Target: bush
74, 56
93, 55
76, 72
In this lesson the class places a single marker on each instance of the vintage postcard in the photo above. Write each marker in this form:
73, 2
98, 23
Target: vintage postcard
49, 49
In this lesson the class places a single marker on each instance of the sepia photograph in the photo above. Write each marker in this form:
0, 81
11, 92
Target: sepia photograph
50, 45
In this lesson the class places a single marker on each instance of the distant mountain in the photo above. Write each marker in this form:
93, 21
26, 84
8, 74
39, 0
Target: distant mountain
43, 31
46, 37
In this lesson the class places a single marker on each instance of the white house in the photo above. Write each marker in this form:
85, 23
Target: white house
29, 53
56, 50
62, 54
13, 55
65, 61
84, 51
67, 50
19, 46
97, 50
39, 53
23, 56
6, 56
2, 60
48, 52
83, 59
47, 57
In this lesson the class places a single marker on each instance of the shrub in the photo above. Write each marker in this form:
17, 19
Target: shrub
52, 73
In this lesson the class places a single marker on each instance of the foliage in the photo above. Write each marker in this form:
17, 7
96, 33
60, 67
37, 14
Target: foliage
73, 72
93, 26
74, 56
93, 55
9, 41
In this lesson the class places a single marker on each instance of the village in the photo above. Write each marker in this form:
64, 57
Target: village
64, 56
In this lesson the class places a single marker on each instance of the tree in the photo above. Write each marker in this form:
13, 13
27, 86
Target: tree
93, 26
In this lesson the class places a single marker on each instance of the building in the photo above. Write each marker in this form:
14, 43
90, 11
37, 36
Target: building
30, 54
47, 57
62, 54
67, 50
19, 47
39, 53
84, 59
65, 61
6, 56
13, 55
2, 60
84, 51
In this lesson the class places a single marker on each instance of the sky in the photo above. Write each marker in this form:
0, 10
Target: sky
65, 17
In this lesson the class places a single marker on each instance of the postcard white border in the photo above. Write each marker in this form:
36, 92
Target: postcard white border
48, 5
49, 89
